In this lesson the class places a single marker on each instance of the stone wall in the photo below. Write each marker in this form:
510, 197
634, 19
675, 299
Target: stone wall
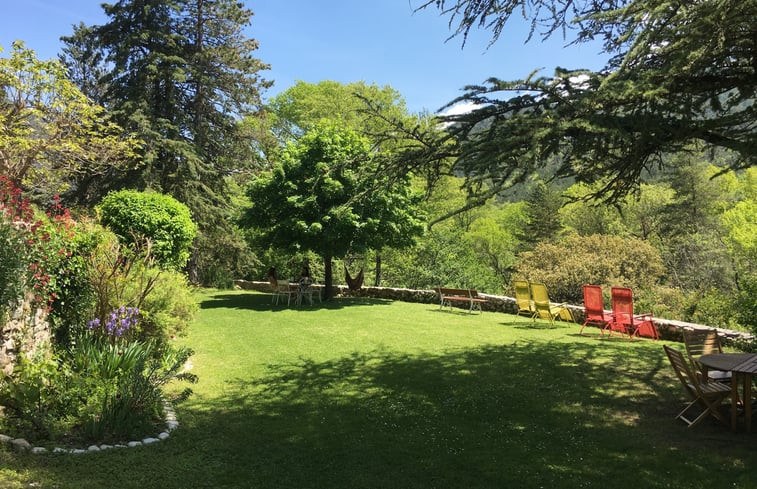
26, 329
669, 329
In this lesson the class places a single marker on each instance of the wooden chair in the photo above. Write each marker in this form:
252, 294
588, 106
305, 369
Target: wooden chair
700, 342
544, 308
594, 309
523, 299
708, 395
625, 321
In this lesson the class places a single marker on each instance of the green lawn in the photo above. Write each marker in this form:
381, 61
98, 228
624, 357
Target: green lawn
372, 393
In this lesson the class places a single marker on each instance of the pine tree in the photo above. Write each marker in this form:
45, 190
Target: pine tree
181, 75
681, 74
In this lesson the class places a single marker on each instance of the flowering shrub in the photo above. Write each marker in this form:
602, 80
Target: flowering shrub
117, 324
102, 388
45, 241
100, 379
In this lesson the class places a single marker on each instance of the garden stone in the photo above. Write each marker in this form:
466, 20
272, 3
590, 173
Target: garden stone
77, 451
105, 447
163, 436
148, 441
134, 443
60, 450
5, 439
39, 450
21, 444
172, 425
120, 445
93, 448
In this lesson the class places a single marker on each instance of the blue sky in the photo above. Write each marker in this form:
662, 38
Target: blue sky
377, 41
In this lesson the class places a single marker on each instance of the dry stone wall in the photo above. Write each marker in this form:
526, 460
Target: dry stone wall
669, 329
25, 330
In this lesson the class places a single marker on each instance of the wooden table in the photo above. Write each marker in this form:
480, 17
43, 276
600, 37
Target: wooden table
743, 366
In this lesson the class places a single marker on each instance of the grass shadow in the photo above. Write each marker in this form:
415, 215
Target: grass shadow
520, 415
526, 414
255, 301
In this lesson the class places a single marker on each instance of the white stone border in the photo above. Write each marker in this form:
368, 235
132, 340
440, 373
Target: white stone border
171, 424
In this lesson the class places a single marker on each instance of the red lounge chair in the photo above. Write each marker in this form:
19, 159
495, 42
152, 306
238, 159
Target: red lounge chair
625, 321
594, 308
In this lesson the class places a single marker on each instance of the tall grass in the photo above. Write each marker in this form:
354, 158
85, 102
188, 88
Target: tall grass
372, 393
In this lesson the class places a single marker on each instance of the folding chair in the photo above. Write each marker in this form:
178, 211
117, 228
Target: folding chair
700, 342
594, 309
708, 395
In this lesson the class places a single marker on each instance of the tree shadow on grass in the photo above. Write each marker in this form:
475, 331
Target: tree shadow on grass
262, 302
521, 415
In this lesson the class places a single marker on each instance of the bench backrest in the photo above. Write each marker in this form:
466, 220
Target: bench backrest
456, 292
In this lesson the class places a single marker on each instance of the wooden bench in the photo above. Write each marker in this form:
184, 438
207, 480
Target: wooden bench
469, 297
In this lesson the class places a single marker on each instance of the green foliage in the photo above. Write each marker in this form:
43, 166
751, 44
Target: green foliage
713, 308
745, 303
302, 106
326, 197
586, 217
566, 265
151, 219
643, 214
181, 75
740, 223
223, 256
37, 398
121, 277
168, 309
542, 211
98, 390
658, 93
125, 398
691, 232
50, 133
11, 266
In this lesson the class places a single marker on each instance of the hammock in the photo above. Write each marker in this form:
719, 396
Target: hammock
354, 283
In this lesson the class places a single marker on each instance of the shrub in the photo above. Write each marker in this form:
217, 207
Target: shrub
597, 259
168, 309
11, 266
121, 277
103, 388
125, 379
151, 219
42, 397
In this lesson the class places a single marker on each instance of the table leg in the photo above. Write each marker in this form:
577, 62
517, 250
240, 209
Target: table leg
734, 401
748, 402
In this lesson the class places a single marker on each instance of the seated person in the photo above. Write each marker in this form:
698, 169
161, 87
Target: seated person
271, 276
304, 277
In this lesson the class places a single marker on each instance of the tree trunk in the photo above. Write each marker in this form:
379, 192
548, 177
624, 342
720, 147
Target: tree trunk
193, 272
378, 269
328, 277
